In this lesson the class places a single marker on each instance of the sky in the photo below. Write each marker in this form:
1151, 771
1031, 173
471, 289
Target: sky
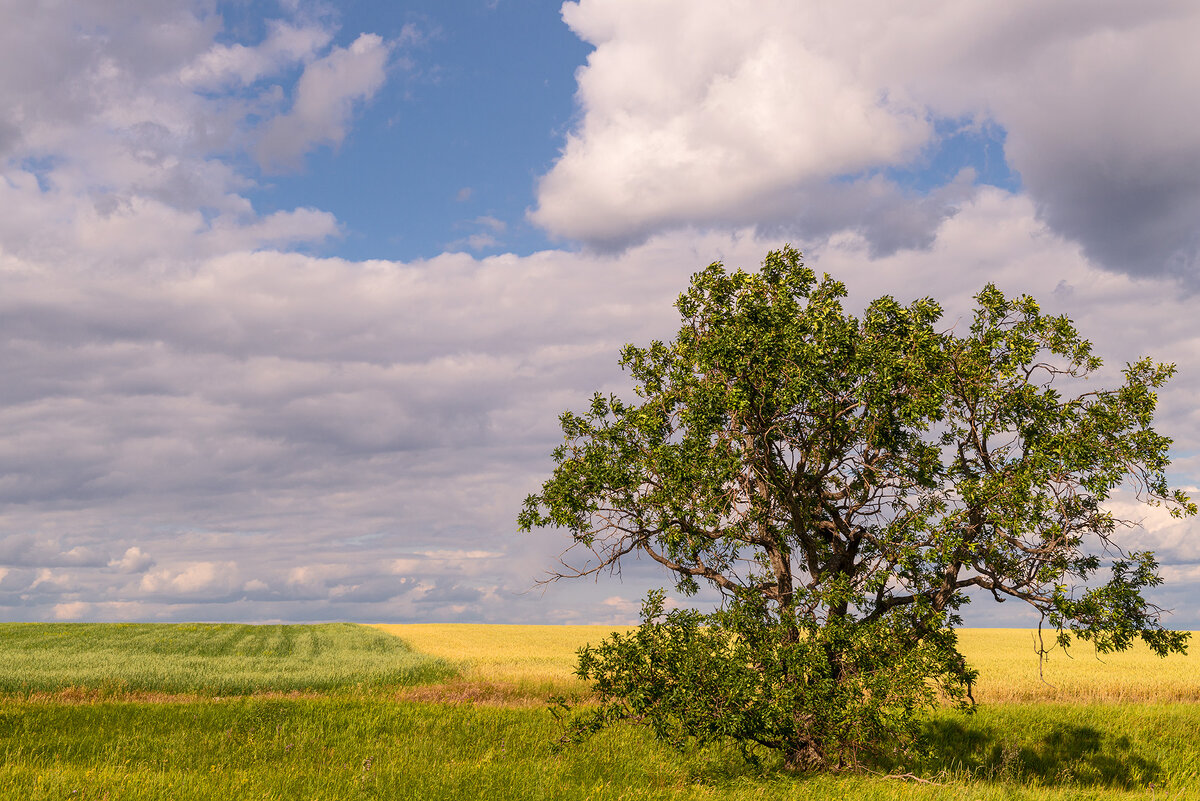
292, 293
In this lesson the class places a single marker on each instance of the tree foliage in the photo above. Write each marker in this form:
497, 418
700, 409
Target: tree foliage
844, 482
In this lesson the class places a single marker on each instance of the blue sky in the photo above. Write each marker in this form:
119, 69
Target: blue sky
462, 135
292, 293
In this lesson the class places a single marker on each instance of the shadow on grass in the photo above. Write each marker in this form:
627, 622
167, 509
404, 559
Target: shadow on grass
952, 749
1063, 754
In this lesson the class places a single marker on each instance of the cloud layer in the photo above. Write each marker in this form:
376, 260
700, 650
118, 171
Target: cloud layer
287, 436
200, 421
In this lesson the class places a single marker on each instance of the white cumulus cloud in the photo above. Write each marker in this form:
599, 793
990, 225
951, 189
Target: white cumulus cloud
778, 114
134, 561
698, 113
205, 578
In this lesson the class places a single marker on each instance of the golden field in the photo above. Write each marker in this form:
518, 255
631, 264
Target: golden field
501, 662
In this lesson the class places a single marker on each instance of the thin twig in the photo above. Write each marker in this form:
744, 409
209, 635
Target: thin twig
906, 777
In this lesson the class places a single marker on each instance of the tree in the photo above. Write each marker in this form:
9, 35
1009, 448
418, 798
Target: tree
843, 483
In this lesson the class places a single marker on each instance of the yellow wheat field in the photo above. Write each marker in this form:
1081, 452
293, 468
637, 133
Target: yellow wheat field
1008, 671
525, 661
503, 664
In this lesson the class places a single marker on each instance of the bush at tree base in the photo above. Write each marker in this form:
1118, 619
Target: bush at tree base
825, 699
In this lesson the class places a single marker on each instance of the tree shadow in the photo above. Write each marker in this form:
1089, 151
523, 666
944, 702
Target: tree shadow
1066, 754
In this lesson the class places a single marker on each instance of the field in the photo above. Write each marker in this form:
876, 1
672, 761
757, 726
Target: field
544, 657
340, 711
203, 659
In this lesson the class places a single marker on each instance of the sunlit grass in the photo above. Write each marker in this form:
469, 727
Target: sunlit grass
85, 660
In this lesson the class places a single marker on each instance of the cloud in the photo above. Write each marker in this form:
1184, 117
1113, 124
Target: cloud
262, 414
324, 100
90, 99
285, 44
761, 113
484, 238
29, 550
73, 610
296, 437
424, 565
459, 554
67, 63
491, 223
211, 580
1092, 98
134, 561
126, 124
709, 115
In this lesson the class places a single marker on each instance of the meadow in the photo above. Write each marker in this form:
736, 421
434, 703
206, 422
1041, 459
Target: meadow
460, 714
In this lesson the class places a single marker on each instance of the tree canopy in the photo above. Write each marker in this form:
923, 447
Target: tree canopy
843, 482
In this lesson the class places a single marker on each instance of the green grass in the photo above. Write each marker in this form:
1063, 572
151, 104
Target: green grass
348, 747
113, 659
158, 724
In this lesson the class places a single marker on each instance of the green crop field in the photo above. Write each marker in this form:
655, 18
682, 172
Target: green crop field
114, 659
82, 717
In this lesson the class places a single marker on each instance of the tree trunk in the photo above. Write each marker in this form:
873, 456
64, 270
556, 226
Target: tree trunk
805, 755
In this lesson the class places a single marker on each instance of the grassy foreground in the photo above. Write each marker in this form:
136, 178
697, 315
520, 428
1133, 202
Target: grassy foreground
351, 748
366, 739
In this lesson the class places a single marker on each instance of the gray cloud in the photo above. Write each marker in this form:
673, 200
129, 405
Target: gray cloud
1141, 222
27, 550
1093, 97
886, 217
